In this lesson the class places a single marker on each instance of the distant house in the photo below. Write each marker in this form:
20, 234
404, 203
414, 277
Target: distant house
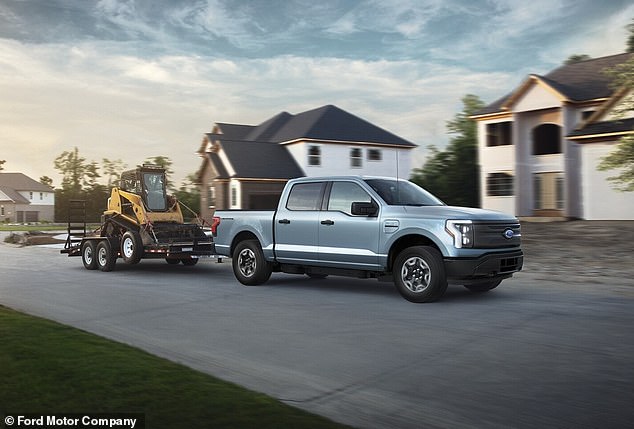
23, 199
540, 145
247, 166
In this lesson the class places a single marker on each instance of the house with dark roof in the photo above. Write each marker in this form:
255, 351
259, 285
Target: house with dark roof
23, 199
247, 166
540, 144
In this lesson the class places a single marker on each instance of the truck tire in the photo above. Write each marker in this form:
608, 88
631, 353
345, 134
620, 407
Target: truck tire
249, 265
419, 274
131, 247
484, 286
88, 255
106, 258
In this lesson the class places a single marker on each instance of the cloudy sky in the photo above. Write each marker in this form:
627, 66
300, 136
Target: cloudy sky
126, 79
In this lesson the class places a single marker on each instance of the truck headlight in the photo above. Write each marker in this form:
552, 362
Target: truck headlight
461, 231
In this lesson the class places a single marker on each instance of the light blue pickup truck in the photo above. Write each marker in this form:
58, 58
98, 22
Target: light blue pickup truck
371, 228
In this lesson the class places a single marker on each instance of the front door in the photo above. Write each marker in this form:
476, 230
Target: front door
549, 194
345, 240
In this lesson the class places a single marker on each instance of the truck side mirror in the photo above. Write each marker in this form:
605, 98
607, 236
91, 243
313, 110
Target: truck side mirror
364, 208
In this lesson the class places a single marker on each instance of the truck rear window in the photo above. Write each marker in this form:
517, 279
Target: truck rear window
305, 196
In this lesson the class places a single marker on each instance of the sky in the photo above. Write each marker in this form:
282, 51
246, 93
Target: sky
130, 80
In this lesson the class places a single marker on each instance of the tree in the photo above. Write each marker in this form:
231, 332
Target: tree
622, 158
189, 195
73, 170
45, 180
453, 175
112, 171
577, 58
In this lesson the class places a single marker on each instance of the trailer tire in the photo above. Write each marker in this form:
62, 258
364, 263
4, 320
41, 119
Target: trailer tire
89, 255
249, 265
172, 261
106, 258
189, 262
131, 247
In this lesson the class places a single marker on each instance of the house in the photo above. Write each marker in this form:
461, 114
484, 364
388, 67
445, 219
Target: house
539, 145
247, 166
23, 199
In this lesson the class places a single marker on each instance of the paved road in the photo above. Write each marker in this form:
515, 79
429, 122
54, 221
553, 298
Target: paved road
533, 354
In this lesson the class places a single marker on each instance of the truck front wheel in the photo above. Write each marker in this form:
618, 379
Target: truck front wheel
419, 274
249, 265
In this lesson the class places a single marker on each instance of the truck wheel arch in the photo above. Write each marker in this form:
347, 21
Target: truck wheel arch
242, 236
405, 242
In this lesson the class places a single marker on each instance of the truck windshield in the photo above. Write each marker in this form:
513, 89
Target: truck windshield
402, 193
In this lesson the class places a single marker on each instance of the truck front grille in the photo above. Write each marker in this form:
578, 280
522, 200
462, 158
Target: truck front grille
492, 235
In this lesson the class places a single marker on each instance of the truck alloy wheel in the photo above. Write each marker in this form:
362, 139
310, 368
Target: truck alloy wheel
419, 274
249, 265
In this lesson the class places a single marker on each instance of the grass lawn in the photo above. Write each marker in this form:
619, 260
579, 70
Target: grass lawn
48, 368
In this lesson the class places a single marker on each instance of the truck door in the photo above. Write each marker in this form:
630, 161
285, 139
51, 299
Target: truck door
296, 224
346, 240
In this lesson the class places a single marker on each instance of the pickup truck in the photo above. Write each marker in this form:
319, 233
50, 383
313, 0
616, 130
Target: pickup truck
371, 227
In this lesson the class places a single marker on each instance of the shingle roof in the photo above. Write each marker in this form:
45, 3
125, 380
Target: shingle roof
13, 195
221, 171
580, 81
234, 131
324, 123
22, 182
259, 160
606, 127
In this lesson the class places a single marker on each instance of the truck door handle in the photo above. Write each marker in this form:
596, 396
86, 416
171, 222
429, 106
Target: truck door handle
284, 221
328, 222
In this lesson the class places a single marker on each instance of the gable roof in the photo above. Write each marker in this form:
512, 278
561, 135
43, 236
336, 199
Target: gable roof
256, 160
577, 82
329, 123
22, 182
12, 195
234, 131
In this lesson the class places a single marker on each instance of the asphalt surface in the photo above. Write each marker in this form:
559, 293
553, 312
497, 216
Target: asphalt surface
534, 353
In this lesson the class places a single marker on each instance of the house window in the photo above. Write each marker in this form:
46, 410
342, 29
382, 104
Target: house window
499, 134
356, 158
585, 115
499, 185
1, 210
41, 196
560, 193
314, 155
211, 196
234, 195
375, 155
31, 195
546, 139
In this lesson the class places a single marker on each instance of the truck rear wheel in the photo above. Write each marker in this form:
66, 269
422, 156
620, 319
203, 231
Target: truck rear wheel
249, 265
419, 274
106, 258
88, 256
131, 247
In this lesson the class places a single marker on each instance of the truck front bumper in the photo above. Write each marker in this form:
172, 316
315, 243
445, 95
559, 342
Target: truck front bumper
488, 266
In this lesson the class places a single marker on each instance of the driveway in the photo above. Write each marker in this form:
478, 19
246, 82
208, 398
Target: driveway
539, 351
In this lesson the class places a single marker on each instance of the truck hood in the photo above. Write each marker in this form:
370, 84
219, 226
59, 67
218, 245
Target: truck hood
452, 212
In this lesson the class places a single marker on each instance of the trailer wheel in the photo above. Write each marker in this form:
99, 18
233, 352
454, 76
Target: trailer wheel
249, 265
131, 247
106, 258
88, 256
172, 261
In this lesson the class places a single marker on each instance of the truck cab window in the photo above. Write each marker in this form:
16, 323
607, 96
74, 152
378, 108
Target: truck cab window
343, 194
305, 196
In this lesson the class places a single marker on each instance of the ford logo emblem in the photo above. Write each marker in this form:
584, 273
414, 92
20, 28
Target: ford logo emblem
508, 233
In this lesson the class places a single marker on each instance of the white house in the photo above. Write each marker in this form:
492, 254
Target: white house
23, 199
540, 145
247, 166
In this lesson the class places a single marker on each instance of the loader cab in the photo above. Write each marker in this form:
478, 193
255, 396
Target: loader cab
149, 183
